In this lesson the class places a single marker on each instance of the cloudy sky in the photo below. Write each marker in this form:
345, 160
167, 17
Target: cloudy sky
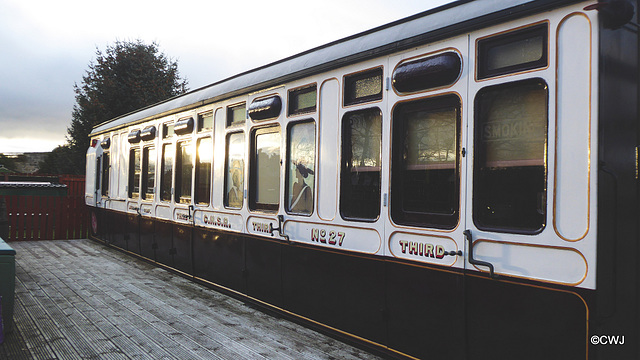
46, 46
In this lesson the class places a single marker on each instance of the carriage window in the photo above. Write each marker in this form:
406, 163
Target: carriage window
236, 115
303, 100
148, 172
513, 52
105, 174
509, 179
234, 178
363, 87
203, 170
205, 122
301, 167
167, 172
184, 167
425, 179
134, 173
97, 178
361, 161
265, 169
167, 131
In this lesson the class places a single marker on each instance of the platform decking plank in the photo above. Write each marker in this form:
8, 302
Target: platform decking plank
78, 299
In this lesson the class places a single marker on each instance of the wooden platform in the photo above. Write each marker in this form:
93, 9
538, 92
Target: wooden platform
78, 299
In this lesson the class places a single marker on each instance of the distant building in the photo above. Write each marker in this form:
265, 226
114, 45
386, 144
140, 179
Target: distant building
25, 163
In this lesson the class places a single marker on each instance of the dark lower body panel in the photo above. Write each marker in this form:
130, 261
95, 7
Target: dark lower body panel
394, 307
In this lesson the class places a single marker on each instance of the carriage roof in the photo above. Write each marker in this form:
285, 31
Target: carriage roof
428, 26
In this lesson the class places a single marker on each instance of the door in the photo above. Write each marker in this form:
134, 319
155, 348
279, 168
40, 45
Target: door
425, 202
530, 203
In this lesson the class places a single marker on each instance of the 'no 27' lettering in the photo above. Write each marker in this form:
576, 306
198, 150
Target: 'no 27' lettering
333, 238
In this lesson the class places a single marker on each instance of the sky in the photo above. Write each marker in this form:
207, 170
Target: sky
46, 46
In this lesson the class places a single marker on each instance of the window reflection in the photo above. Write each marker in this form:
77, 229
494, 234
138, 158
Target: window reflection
360, 179
167, 172
134, 173
234, 178
509, 178
425, 172
148, 173
301, 168
267, 175
203, 170
184, 164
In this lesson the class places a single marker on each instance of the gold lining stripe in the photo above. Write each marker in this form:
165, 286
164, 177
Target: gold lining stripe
543, 247
555, 180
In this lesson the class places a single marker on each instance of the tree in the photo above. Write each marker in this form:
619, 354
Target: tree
126, 77
59, 161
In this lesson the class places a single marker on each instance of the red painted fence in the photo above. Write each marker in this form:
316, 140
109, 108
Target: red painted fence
49, 217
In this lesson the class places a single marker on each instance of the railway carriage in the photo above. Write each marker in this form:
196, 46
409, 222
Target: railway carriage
459, 184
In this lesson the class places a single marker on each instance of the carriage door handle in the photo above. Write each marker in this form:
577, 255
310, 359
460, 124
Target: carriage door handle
467, 235
280, 228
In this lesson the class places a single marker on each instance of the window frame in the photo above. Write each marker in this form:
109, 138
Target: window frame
132, 172
296, 92
198, 170
144, 195
179, 198
200, 122
426, 219
231, 110
168, 130
172, 150
290, 126
485, 44
345, 174
529, 165
106, 174
254, 205
226, 170
349, 82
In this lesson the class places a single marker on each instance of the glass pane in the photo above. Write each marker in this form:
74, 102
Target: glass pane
514, 53
425, 176
368, 86
184, 163
363, 87
167, 172
149, 173
203, 170
513, 126
167, 131
234, 178
97, 178
236, 115
361, 147
303, 100
306, 100
134, 173
205, 122
267, 178
510, 161
301, 168
105, 174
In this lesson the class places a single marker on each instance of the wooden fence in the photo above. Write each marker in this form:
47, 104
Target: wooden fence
49, 217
